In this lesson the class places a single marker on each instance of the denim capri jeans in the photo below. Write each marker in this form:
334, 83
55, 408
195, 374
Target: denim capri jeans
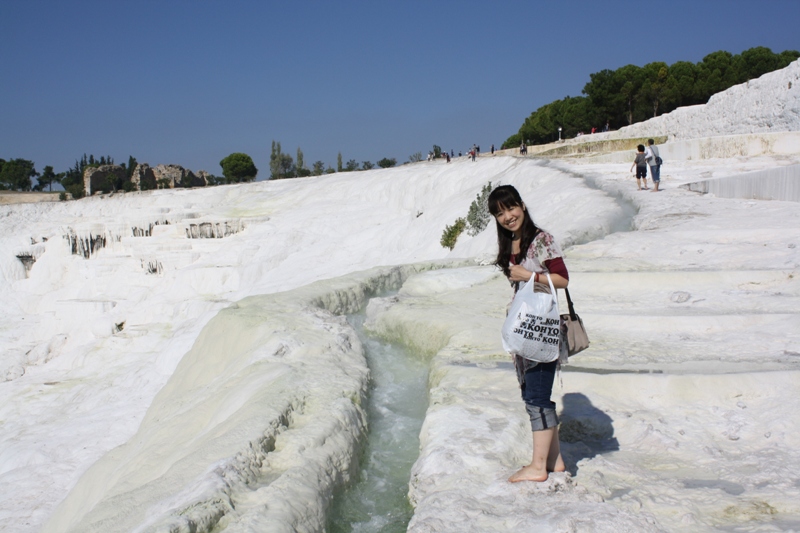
536, 391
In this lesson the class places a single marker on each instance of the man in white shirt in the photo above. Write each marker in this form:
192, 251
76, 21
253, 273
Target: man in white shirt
652, 158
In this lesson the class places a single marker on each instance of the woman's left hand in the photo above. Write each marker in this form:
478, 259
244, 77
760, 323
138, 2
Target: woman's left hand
519, 273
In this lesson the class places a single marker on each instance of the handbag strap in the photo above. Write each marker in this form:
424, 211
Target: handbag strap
572, 314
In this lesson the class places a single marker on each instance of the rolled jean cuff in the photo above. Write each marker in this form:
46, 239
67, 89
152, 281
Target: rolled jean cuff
542, 417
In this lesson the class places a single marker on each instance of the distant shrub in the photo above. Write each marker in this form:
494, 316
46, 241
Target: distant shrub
387, 163
415, 157
62, 196
478, 216
451, 233
76, 190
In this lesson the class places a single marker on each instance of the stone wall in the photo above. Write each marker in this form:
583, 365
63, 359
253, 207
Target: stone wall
143, 177
177, 176
96, 178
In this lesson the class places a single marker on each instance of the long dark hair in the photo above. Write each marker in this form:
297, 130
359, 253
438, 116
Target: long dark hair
503, 197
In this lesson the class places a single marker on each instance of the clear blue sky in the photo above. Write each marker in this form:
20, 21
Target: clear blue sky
189, 82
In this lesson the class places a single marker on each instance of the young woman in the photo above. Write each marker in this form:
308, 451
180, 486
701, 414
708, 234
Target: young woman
526, 253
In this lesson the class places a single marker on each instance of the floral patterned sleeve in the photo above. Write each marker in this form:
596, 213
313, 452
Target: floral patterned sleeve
544, 248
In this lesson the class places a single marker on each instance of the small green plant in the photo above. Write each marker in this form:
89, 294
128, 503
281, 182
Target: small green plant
478, 216
62, 196
451, 233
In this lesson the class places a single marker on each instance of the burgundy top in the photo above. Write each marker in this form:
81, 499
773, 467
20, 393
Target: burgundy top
554, 266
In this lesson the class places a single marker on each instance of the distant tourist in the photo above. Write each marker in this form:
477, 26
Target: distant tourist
641, 168
448, 156
593, 130
605, 128
653, 159
492, 149
526, 253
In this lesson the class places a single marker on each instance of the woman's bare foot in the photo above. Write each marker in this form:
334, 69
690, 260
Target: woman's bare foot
528, 473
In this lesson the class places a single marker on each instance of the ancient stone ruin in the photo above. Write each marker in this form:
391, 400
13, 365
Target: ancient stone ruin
177, 176
97, 178
143, 177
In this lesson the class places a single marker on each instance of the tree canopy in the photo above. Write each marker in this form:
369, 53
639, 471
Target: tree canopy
16, 174
46, 178
632, 94
238, 167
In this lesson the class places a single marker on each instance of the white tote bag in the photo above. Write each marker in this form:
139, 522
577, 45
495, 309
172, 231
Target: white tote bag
533, 326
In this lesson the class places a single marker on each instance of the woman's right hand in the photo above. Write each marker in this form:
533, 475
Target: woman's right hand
519, 273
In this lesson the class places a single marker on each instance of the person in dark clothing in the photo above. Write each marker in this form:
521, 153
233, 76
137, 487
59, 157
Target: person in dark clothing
641, 168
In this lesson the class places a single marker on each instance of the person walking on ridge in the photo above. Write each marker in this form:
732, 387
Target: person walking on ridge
654, 161
641, 168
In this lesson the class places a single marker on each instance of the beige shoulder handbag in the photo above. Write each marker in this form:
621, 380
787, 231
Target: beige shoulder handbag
577, 339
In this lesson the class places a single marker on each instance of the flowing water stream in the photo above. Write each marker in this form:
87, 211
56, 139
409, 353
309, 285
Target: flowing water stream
396, 407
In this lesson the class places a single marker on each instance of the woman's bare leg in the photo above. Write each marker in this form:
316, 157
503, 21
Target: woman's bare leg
537, 470
554, 461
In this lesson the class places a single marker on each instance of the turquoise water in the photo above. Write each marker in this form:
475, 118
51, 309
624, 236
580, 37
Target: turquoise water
398, 399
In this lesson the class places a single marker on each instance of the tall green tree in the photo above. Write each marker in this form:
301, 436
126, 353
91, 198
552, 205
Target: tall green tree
16, 174
318, 168
570, 114
275, 161
238, 167
131, 166
630, 79
300, 167
339, 162
684, 75
287, 166
607, 102
716, 72
73, 180
46, 178
281, 165
658, 88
